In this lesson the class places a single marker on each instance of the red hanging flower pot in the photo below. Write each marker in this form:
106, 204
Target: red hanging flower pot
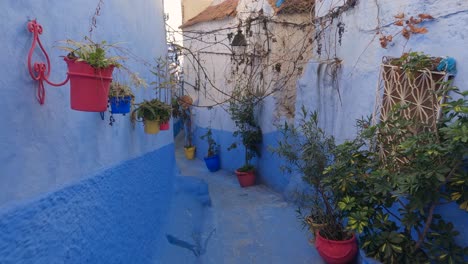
89, 87
164, 125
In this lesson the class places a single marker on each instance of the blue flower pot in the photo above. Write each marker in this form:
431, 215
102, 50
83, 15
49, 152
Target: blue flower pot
120, 105
212, 163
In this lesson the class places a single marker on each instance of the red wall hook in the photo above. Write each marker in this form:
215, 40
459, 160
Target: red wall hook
40, 71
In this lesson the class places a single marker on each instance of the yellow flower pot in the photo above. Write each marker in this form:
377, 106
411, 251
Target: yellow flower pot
189, 153
151, 126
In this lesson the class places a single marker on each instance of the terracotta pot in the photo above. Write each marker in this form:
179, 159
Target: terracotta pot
246, 179
336, 252
151, 126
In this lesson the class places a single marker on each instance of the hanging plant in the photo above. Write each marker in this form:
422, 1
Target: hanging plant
90, 70
151, 113
120, 98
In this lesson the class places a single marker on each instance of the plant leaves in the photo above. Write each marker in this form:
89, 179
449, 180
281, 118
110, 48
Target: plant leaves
417, 30
425, 16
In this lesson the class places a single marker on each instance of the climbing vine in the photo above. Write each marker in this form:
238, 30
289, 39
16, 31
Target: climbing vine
409, 26
276, 51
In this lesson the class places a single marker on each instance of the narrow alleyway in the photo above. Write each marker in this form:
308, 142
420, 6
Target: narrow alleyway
242, 225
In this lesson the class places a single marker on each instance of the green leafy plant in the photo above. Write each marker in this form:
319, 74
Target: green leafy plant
212, 145
415, 61
390, 180
160, 70
120, 90
95, 54
151, 110
242, 111
306, 149
176, 111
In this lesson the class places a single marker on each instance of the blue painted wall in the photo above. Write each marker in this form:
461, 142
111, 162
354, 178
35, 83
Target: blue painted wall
114, 216
46, 147
72, 188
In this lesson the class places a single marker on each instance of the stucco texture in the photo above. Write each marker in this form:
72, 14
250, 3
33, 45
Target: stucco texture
72, 188
114, 216
44, 148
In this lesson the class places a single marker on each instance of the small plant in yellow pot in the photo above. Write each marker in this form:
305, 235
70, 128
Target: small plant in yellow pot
150, 113
185, 103
189, 151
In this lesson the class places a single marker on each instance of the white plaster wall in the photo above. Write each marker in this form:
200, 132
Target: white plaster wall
174, 9
361, 54
323, 6
218, 67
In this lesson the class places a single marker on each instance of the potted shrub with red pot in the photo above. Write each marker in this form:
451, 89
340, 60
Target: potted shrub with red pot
242, 111
306, 150
334, 243
90, 72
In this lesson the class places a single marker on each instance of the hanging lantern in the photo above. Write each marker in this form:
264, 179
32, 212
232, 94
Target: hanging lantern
239, 43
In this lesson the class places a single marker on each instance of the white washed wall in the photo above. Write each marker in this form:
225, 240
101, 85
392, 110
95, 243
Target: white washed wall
361, 54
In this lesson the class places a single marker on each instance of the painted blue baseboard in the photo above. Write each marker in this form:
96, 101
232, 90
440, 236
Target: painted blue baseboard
114, 216
268, 165
177, 126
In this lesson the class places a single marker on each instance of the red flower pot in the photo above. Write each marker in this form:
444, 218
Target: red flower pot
89, 87
164, 126
246, 179
336, 252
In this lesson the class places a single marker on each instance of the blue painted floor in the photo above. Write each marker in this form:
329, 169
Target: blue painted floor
214, 220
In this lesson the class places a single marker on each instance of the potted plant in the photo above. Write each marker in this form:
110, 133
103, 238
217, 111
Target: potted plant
242, 111
185, 103
306, 150
90, 72
212, 157
412, 80
163, 86
176, 111
382, 179
164, 118
120, 98
150, 113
